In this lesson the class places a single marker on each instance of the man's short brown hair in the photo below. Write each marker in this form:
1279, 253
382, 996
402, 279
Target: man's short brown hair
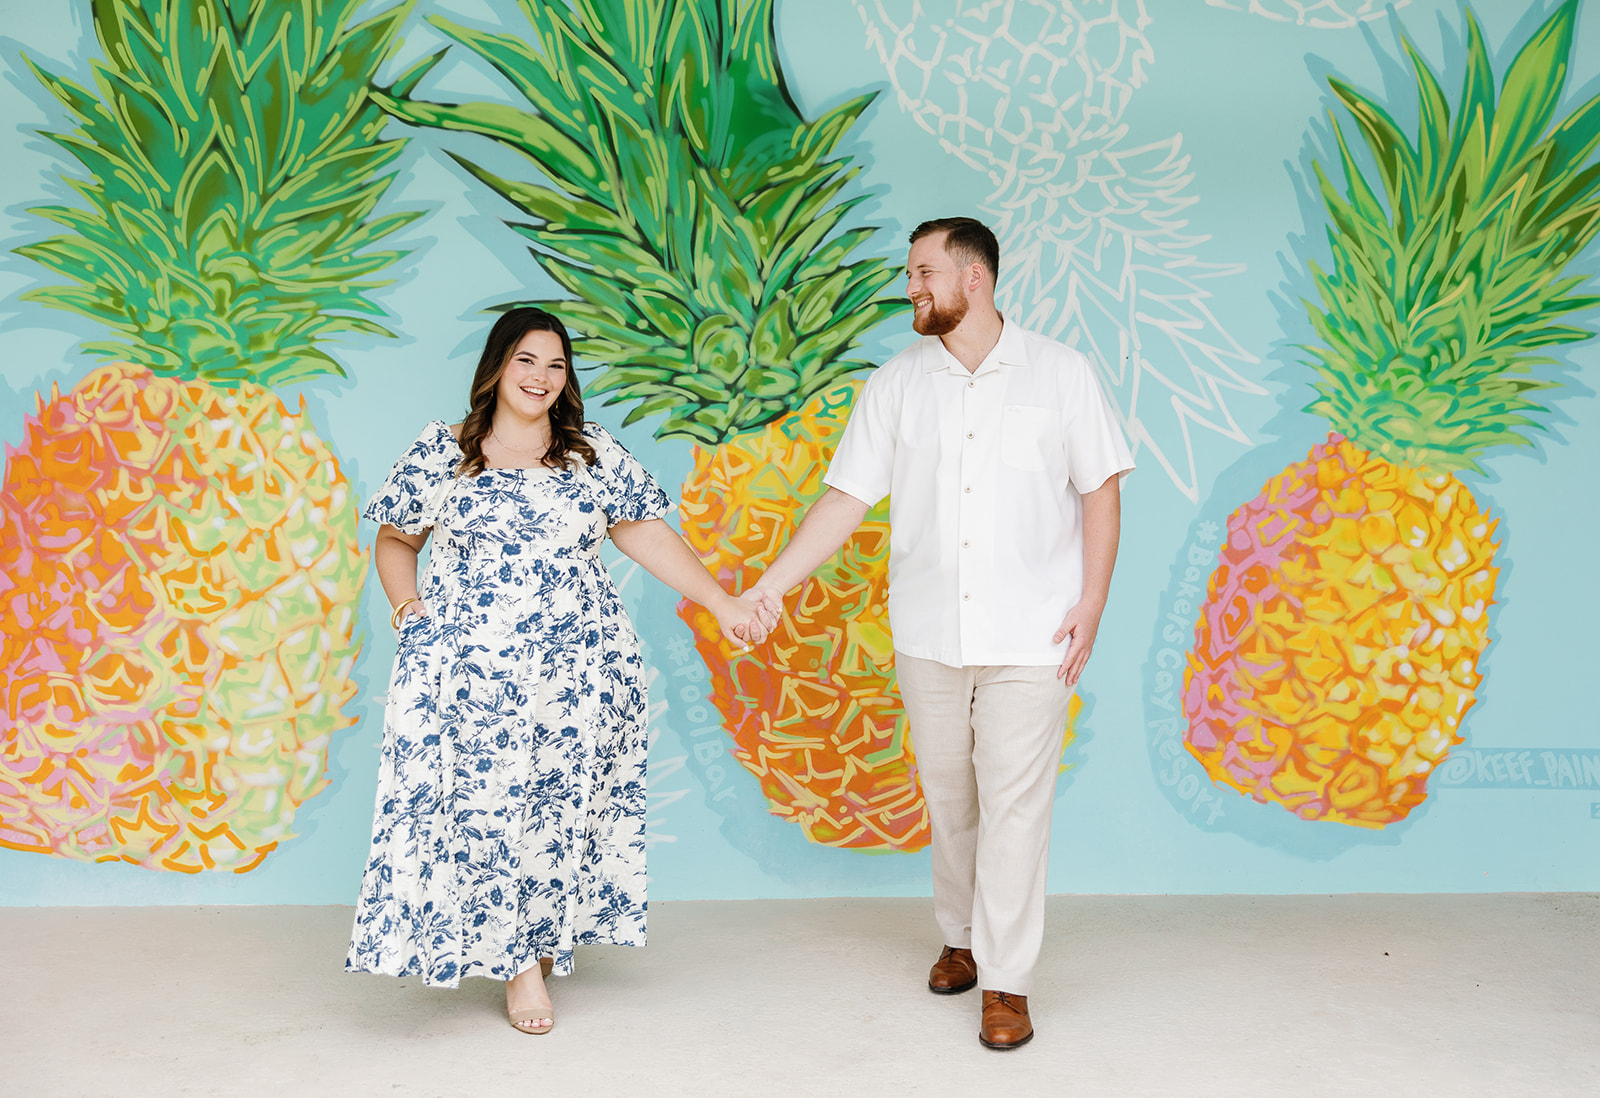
968, 240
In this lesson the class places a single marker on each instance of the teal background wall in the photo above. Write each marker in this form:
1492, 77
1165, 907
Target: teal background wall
1212, 110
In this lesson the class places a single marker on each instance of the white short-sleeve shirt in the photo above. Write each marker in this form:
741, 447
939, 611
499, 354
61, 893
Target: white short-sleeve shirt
984, 474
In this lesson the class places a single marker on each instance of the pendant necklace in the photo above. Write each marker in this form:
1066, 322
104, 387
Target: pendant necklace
518, 449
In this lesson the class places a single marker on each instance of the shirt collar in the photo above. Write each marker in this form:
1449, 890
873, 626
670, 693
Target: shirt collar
1009, 350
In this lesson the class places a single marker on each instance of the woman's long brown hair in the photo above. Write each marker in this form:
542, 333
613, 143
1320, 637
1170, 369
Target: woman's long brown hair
566, 414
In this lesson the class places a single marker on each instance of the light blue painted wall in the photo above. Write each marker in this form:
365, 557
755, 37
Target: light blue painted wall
1245, 93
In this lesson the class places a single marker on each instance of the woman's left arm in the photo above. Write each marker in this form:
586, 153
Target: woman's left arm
661, 551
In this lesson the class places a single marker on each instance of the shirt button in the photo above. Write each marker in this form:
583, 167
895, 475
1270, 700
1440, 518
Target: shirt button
966, 544
969, 488
969, 434
972, 384
966, 596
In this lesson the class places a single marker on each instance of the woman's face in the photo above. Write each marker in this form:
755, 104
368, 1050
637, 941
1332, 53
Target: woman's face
533, 377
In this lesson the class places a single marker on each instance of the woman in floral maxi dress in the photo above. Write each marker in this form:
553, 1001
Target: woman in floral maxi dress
510, 815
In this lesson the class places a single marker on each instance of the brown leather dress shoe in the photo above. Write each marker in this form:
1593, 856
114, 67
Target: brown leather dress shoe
954, 972
1005, 1020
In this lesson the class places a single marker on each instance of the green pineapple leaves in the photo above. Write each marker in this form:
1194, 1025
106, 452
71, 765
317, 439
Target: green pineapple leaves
1447, 276
235, 162
690, 211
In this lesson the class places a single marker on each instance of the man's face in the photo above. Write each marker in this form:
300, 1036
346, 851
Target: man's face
935, 286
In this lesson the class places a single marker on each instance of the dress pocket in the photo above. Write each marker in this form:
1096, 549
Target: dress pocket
412, 626
1029, 436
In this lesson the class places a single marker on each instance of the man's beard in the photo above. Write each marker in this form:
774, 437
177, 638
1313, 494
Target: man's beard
940, 319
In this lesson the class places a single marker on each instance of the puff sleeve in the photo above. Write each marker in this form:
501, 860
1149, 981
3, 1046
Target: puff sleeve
412, 496
627, 491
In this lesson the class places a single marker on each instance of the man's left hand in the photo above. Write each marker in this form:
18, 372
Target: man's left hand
1081, 624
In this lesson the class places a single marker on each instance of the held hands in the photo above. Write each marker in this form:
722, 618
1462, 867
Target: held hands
747, 619
769, 611
1081, 624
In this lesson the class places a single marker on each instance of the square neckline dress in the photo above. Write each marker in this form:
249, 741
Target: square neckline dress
510, 814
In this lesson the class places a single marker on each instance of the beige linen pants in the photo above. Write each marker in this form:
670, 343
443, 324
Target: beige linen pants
988, 747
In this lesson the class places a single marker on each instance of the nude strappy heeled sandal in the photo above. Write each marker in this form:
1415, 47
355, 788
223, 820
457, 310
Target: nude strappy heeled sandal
520, 1016
534, 1014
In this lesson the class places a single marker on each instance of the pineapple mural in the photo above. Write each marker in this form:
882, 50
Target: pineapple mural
178, 560
1339, 648
695, 216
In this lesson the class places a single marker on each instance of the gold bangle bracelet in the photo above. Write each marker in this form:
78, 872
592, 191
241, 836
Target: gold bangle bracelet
394, 618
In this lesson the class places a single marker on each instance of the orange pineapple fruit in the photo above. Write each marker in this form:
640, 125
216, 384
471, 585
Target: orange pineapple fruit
179, 568
1341, 642
814, 715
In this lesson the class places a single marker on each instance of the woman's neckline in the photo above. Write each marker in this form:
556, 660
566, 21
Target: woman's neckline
539, 467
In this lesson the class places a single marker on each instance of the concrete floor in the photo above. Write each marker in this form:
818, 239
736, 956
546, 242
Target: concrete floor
1149, 995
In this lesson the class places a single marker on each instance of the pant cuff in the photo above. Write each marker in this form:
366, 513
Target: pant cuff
1016, 981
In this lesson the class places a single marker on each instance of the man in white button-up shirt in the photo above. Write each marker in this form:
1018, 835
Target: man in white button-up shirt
1001, 458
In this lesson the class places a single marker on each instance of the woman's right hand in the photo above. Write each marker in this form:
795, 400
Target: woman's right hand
412, 607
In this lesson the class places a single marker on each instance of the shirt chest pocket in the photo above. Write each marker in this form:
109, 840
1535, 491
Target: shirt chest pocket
1030, 438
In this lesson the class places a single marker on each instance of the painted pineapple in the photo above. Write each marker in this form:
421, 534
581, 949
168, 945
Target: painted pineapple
694, 214
178, 561
1338, 651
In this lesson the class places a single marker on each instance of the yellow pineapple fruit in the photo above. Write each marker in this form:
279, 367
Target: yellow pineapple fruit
1339, 648
178, 559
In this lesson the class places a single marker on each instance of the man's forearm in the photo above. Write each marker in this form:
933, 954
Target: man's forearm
828, 524
1102, 529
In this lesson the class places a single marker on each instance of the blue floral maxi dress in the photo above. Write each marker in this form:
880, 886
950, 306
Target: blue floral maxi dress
510, 814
